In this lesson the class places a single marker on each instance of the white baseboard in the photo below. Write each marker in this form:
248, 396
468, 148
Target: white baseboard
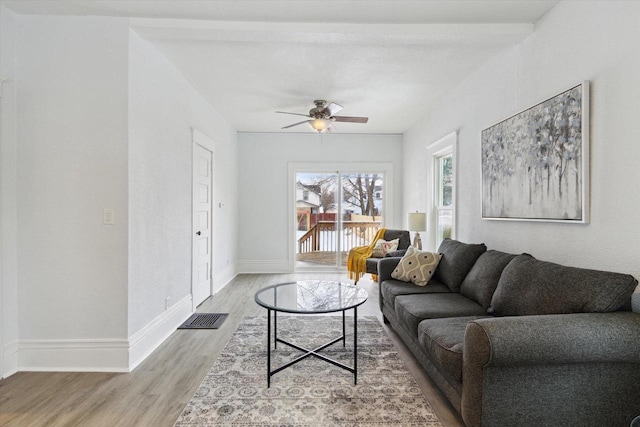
264, 267
147, 339
10, 359
95, 355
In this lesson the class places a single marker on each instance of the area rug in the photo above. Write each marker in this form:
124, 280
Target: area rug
312, 392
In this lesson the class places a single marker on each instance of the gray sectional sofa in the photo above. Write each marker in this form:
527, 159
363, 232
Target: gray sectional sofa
515, 341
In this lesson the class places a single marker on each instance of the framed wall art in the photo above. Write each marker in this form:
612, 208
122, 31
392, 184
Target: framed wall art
535, 164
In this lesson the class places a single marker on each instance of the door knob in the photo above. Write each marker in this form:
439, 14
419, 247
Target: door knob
198, 233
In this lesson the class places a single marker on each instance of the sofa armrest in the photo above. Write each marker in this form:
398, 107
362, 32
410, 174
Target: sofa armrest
563, 338
386, 267
521, 352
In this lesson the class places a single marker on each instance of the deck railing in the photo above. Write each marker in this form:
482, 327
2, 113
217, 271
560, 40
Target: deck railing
323, 237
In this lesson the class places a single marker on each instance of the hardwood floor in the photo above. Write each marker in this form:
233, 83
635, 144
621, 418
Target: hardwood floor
155, 393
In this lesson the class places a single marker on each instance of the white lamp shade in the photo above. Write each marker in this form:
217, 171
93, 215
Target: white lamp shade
417, 221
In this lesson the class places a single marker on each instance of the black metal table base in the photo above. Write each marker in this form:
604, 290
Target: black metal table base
315, 351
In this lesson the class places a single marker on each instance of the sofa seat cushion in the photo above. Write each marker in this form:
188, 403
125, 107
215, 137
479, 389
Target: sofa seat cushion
413, 309
443, 341
529, 286
457, 260
482, 279
392, 288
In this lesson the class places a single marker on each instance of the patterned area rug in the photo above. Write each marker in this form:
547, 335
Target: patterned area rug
312, 392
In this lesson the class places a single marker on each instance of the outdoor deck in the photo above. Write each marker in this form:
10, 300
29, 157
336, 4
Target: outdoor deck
321, 258
317, 246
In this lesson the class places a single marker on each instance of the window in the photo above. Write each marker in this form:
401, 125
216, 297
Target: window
348, 213
444, 200
350, 217
442, 214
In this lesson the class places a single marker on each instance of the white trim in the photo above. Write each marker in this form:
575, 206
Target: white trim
146, 340
10, 359
75, 355
97, 355
446, 145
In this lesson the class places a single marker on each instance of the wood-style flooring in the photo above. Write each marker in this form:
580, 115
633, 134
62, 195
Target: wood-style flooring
155, 393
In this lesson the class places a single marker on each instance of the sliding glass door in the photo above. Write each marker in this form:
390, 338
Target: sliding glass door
335, 211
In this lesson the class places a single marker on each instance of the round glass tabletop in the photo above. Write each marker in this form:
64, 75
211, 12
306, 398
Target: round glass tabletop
311, 296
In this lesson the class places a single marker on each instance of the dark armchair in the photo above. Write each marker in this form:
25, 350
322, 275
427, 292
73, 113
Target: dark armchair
403, 244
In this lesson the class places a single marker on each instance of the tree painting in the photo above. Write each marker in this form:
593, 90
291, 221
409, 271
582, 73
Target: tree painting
532, 162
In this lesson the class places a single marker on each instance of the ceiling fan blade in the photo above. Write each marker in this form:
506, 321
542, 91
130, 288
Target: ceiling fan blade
350, 119
295, 114
296, 124
332, 108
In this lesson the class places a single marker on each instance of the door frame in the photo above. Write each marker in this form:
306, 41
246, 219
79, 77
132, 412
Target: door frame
341, 167
199, 138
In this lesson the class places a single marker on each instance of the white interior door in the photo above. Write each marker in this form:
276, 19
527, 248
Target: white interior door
202, 194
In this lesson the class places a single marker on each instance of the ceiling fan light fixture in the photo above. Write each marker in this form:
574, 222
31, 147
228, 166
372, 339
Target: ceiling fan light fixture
319, 124
321, 117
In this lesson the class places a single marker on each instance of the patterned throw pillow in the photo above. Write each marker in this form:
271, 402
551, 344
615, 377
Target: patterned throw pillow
383, 247
416, 266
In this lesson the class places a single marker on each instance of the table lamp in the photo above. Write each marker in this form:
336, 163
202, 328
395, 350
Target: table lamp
417, 223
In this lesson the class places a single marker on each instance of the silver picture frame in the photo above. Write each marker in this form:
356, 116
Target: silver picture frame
535, 164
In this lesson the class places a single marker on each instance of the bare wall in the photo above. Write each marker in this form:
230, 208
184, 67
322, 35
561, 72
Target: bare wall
72, 163
576, 41
8, 211
163, 108
263, 185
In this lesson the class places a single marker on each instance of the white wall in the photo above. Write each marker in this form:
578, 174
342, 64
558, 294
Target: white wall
94, 117
72, 163
8, 212
263, 186
163, 107
576, 41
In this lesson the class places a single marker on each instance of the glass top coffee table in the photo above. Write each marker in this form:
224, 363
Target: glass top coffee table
311, 297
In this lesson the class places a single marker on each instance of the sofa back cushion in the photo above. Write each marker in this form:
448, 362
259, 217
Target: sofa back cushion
457, 260
482, 279
529, 286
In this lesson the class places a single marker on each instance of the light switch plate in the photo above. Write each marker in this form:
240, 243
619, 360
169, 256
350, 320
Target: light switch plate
108, 217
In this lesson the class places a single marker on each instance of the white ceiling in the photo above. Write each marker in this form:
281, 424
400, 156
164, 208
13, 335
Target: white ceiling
389, 60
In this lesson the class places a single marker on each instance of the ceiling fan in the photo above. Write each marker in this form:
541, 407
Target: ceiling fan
322, 116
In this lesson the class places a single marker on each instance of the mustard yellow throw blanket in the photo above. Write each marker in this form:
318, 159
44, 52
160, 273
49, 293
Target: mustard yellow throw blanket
357, 259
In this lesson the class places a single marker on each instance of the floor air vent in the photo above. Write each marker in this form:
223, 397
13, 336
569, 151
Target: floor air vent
204, 321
